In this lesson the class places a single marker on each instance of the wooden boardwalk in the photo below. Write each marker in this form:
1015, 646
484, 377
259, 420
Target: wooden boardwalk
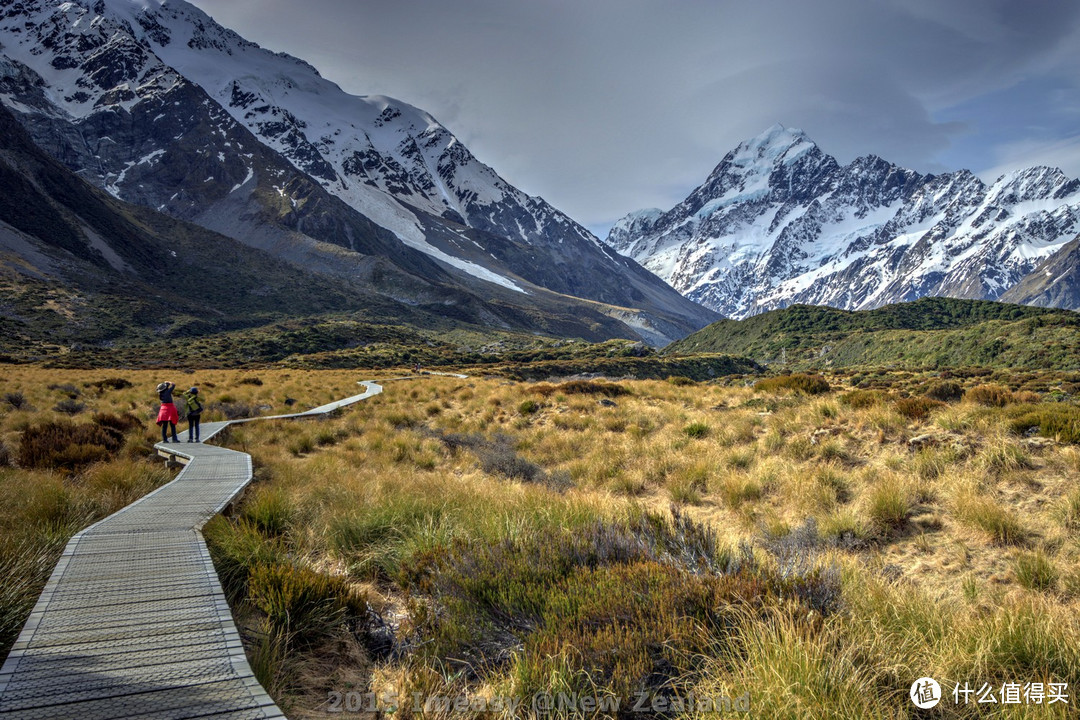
133, 622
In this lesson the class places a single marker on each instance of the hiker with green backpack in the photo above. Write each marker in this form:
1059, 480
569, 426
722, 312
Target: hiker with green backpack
194, 413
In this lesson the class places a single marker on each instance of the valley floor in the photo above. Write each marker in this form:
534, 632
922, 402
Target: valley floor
809, 551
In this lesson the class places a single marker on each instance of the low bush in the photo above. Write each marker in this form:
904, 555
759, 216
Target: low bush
680, 380
236, 547
66, 388
619, 606
113, 383
122, 423
798, 383
581, 387
917, 408
233, 410
529, 407
249, 381
499, 457
944, 390
16, 400
69, 406
861, 399
1069, 510
888, 507
301, 445
25, 566
66, 445
269, 511
990, 395
1058, 421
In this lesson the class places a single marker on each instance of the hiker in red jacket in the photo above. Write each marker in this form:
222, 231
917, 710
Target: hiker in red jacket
167, 416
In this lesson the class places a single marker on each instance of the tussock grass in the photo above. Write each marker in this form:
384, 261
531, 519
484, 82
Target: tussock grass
476, 579
1000, 523
1035, 570
888, 506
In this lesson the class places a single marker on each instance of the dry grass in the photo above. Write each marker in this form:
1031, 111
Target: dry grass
956, 553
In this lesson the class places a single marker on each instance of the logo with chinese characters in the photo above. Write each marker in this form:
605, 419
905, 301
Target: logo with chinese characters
1012, 693
925, 693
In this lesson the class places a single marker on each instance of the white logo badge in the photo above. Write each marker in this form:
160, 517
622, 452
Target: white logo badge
925, 693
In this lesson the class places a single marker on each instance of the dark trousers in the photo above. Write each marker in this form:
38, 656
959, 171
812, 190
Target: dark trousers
165, 427
193, 426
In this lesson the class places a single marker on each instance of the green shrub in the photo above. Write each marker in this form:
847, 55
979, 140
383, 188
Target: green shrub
25, 567
236, 547
917, 408
696, 430
1057, 420
1005, 458
325, 437
68, 389
1069, 510
249, 381
612, 608
301, 445
529, 407
798, 383
680, 380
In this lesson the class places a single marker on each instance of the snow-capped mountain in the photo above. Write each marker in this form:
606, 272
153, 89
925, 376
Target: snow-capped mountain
779, 222
158, 104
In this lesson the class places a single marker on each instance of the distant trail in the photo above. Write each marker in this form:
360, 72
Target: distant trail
133, 622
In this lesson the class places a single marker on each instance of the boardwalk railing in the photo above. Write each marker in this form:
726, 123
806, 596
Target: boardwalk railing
133, 622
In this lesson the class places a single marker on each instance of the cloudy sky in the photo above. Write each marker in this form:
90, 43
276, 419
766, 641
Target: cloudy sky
607, 106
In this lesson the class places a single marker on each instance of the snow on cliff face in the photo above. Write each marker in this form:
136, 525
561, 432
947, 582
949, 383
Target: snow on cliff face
379, 155
779, 222
156, 103
359, 148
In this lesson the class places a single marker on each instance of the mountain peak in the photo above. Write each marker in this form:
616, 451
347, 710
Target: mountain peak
778, 222
776, 143
775, 146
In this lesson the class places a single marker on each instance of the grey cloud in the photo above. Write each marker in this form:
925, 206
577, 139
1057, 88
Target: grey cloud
606, 106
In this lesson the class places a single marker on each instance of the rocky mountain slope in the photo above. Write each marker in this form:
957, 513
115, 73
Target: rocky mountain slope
84, 274
779, 222
159, 105
1055, 282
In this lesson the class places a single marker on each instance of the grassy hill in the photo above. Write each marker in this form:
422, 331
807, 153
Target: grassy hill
927, 333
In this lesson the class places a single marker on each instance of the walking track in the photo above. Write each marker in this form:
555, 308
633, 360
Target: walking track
133, 622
